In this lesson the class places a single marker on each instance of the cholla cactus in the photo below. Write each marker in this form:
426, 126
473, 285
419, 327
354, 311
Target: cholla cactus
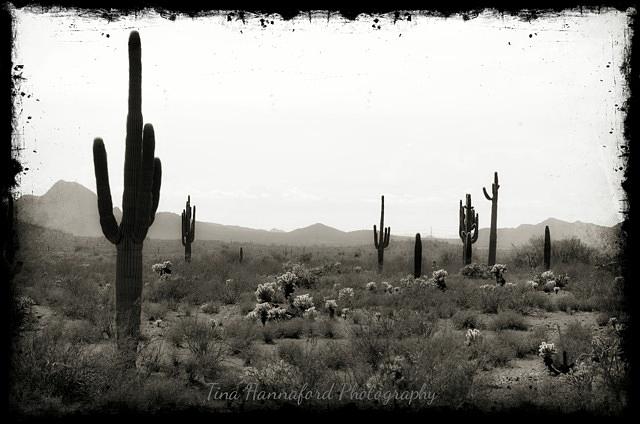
303, 302
331, 305
556, 289
388, 288
357, 269
277, 314
545, 350
439, 278
345, 293
510, 285
287, 283
266, 292
407, 281
345, 313
371, 286
162, 268
310, 313
487, 287
260, 312
547, 275
531, 284
397, 290
498, 271
472, 336
549, 286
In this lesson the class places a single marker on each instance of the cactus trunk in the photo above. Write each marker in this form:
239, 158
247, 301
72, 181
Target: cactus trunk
468, 229
493, 235
417, 257
241, 255
381, 242
142, 179
188, 228
547, 248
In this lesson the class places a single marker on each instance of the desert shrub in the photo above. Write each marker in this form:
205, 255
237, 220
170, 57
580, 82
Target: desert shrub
328, 329
200, 337
290, 329
80, 298
155, 311
523, 343
466, 319
475, 270
172, 290
275, 376
567, 303
575, 340
337, 356
490, 352
239, 334
508, 320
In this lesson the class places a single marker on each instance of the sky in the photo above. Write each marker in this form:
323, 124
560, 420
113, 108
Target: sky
311, 120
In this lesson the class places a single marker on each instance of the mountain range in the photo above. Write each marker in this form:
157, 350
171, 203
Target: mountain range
72, 208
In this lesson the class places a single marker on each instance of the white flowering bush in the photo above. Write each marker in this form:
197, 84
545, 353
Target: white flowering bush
545, 350
303, 302
439, 278
332, 306
472, 336
345, 293
371, 286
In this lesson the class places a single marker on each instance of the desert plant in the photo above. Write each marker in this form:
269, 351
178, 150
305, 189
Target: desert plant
547, 248
139, 204
381, 242
417, 257
468, 229
188, 228
493, 235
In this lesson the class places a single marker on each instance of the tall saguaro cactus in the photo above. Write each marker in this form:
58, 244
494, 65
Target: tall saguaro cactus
493, 235
188, 228
381, 242
547, 248
142, 178
417, 257
241, 255
468, 229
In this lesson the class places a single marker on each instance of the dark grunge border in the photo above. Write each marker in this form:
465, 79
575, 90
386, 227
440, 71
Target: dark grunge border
10, 166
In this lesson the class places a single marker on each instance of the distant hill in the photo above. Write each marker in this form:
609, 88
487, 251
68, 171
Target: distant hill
72, 208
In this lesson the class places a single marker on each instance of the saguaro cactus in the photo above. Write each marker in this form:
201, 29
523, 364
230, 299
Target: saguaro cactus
493, 235
188, 228
241, 255
142, 177
468, 229
417, 257
381, 242
547, 248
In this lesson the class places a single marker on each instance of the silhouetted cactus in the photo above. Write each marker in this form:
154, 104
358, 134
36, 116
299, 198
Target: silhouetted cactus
547, 248
417, 257
468, 229
188, 228
381, 242
241, 255
142, 178
493, 235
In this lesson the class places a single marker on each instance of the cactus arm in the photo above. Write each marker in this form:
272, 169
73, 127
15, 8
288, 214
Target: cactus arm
461, 229
157, 180
192, 233
476, 226
105, 205
375, 236
145, 185
489, 198
387, 235
183, 238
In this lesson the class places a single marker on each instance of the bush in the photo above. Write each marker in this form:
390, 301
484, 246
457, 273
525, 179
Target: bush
475, 270
155, 311
466, 319
508, 320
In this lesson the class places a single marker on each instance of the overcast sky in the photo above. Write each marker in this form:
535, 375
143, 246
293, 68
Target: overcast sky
311, 121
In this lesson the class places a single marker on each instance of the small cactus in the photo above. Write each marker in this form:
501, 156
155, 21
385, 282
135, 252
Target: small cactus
493, 235
188, 228
547, 248
417, 257
381, 242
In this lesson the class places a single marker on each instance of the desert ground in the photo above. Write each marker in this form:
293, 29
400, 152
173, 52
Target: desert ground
318, 320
